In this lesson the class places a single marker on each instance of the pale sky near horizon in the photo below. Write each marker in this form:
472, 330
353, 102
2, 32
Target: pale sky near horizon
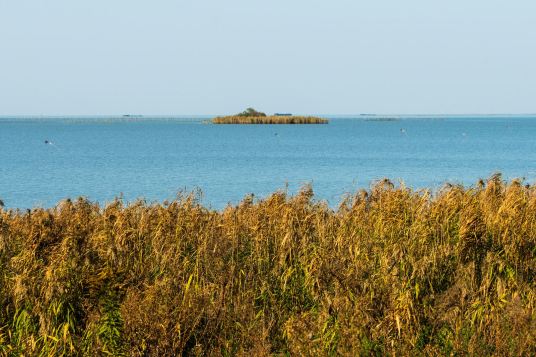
64, 57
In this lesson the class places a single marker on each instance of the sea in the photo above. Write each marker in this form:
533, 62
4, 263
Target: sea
44, 160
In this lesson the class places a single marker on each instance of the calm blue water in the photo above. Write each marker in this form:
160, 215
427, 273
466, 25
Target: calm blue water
154, 158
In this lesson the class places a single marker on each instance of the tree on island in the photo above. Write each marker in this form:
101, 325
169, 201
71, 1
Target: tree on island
250, 112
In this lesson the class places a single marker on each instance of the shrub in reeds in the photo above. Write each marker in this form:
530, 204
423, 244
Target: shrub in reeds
237, 119
391, 271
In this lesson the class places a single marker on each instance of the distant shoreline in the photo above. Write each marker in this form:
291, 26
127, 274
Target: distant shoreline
209, 116
274, 119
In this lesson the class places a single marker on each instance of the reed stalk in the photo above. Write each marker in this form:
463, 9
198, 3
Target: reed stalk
392, 271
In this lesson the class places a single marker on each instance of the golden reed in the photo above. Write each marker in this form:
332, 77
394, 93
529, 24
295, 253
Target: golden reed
391, 271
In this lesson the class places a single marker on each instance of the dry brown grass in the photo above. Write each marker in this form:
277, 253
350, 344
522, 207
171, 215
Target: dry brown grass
237, 119
391, 271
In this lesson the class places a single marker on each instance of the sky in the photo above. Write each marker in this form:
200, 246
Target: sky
208, 57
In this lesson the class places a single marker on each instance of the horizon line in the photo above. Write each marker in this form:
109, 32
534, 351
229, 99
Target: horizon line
213, 115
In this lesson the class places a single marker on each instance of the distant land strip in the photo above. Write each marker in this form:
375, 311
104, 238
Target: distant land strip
274, 119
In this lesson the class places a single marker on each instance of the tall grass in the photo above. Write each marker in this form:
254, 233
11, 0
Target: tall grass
237, 119
391, 271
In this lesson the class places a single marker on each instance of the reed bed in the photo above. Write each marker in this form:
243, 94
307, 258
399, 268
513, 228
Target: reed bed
392, 271
238, 119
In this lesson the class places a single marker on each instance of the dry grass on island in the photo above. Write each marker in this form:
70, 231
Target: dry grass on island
251, 116
392, 271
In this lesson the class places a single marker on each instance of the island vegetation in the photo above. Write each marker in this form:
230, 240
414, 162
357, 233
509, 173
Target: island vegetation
252, 116
392, 271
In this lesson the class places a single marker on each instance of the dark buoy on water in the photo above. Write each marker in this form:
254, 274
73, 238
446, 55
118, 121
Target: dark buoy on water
48, 142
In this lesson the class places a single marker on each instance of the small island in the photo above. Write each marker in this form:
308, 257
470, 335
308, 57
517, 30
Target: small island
251, 116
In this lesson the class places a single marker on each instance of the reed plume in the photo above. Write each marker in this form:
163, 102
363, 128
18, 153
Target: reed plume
390, 271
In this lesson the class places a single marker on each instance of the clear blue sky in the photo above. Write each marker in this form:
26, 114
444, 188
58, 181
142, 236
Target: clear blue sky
300, 56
